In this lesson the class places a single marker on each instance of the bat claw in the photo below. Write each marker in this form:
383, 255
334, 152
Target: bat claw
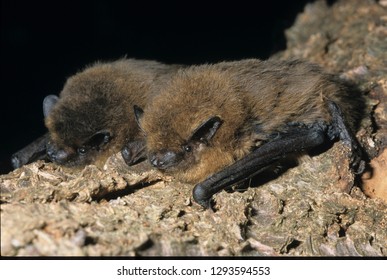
358, 166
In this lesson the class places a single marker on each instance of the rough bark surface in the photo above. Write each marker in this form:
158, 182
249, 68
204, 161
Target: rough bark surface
317, 208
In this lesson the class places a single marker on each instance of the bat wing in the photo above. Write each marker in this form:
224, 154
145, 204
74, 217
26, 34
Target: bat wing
298, 140
295, 139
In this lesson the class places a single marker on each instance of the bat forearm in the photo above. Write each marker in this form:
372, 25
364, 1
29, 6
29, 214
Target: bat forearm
299, 139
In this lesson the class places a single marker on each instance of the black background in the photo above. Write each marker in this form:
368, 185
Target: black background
45, 42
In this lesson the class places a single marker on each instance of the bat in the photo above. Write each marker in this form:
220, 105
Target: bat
218, 125
93, 118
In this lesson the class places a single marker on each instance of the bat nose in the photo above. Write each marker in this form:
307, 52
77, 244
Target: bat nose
163, 160
58, 156
133, 152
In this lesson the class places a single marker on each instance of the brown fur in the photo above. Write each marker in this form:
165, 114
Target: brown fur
101, 98
254, 99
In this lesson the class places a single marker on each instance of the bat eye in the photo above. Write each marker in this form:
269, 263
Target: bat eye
187, 148
82, 150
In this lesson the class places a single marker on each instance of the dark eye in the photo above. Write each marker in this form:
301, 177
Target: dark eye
187, 148
82, 150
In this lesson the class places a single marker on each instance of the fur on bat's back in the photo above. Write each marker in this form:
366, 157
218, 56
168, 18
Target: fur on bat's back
255, 100
292, 91
101, 97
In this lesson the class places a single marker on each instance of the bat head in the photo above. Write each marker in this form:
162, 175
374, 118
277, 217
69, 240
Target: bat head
190, 125
182, 152
89, 122
75, 139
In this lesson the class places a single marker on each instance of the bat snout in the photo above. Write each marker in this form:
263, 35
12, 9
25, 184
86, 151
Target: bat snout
163, 160
59, 156
134, 152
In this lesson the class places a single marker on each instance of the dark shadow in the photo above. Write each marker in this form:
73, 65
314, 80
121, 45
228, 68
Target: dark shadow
127, 191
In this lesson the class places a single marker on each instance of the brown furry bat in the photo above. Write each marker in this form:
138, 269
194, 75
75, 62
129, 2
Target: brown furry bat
93, 117
220, 124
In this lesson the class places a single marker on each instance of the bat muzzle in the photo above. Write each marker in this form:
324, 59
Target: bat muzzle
56, 155
164, 160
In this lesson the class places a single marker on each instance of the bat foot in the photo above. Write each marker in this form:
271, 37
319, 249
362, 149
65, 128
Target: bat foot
357, 165
339, 129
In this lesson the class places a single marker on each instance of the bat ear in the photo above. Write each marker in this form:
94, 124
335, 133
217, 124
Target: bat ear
48, 103
99, 139
138, 113
206, 130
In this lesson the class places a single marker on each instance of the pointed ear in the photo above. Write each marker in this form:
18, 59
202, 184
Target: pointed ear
99, 139
138, 113
206, 130
48, 103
